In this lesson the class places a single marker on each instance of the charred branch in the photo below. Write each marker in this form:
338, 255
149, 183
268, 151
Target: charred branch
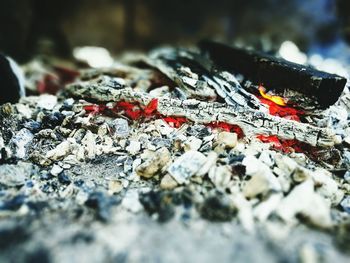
252, 122
276, 73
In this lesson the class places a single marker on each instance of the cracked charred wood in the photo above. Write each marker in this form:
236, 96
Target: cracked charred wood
198, 77
252, 122
276, 73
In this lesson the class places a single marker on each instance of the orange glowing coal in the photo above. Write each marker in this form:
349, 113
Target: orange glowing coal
276, 99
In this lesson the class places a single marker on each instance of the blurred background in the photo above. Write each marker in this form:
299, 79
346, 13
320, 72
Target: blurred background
30, 27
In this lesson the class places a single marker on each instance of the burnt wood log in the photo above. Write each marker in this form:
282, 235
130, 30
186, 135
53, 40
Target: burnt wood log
198, 76
276, 73
252, 122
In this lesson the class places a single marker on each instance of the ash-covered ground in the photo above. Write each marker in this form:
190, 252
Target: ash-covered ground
86, 181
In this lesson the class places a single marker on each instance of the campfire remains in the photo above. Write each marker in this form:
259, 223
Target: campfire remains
178, 131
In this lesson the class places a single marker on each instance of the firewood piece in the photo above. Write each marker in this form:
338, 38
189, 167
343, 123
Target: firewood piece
277, 73
251, 122
197, 75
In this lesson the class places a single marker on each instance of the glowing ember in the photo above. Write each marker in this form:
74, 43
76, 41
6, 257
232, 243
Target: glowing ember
276, 99
136, 111
131, 110
227, 127
94, 108
49, 84
284, 112
151, 108
278, 107
175, 122
286, 146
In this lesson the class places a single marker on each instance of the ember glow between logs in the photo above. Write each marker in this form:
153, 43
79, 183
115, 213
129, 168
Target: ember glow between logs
278, 107
135, 111
276, 99
286, 146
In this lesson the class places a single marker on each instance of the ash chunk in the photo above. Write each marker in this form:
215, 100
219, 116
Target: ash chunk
21, 141
120, 128
163, 203
154, 164
159, 203
15, 175
227, 139
186, 166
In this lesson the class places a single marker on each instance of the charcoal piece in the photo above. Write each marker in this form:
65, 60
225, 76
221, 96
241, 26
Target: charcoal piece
342, 235
160, 203
217, 207
13, 203
32, 126
102, 204
52, 120
63, 178
276, 73
199, 131
40, 254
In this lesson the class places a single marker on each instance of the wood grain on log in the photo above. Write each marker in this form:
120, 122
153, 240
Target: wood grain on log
252, 122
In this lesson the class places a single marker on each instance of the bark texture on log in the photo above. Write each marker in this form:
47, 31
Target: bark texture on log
250, 121
276, 73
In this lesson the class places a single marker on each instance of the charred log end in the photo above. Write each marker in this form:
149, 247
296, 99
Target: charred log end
328, 96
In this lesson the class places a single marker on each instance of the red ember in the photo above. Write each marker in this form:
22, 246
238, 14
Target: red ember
278, 107
151, 108
94, 108
227, 127
135, 111
286, 146
175, 122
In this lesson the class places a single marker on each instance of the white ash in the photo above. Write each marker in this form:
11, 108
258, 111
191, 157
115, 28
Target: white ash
120, 127
262, 179
186, 166
15, 175
21, 141
227, 139
154, 163
220, 176
303, 200
56, 169
47, 102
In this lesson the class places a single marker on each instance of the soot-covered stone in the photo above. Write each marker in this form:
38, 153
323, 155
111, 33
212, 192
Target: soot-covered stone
217, 207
